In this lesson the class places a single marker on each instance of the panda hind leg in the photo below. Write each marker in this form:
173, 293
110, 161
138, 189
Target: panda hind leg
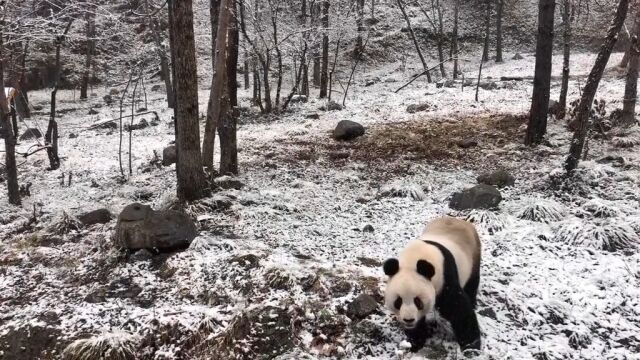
471, 287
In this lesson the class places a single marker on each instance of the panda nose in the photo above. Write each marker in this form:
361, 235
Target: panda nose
408, 321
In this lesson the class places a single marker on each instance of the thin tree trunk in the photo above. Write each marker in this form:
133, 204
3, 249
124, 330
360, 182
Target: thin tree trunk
165, 71
8, 135
443, 73
14, 117
51, 137
227, 120
487, 31
627, 53
542, 78
564, 89
499, 12
589, 92
247, 83
454, 43
360, 27
89, 53
209, 138
276, 45
324, 72
191, 179
133, 107
631, 85
22, 99
414, 39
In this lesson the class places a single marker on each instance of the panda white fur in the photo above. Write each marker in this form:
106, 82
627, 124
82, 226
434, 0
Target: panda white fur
439, 271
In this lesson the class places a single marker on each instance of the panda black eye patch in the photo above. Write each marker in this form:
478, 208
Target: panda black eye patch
398, 303
418, 303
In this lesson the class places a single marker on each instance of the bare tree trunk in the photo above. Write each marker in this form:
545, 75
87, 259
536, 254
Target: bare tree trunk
360, 27
22, 100
324, 72
373, 9
213, 106
564, 89
165, 71
589, 92
315, 20
191, 179
89, 53
542, 78
414, 39
8, 135
631, 85
276, 45
247, 83
443, 73
487, 31
627, 54
499, 12
227, 121
454, 43
51, 137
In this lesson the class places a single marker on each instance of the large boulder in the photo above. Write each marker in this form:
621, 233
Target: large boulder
141, 227
31, 133
169, 155
478, 197
348, 130
362, 306
499, 178
100, 216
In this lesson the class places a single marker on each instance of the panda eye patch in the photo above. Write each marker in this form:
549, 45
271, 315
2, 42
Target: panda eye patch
418, 303
398, 303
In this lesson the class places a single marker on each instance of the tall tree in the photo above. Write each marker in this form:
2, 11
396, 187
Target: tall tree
487, 31
8, 133
227, 125
454, 40
22, 100
589, 92
566, 23
425, 67
213, 106
90, 45
542, 77
631, 84
360, 27
190, 177
324, 72
499, 13
165, 72
51, 136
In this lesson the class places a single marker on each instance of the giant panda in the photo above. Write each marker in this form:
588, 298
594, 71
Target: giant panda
439, 271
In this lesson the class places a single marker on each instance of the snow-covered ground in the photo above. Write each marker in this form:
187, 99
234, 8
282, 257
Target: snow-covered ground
293, 238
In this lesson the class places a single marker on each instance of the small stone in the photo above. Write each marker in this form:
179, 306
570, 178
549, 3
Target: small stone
100, 216
368, 228
348, 130
467, 143
313, 116
73, 136
488, 313
332, 105
169, 155
142, 255
499, 178
228, 182
517, 56
478, 197
93, 111
362, 306
369, 262
157, 87
414, 108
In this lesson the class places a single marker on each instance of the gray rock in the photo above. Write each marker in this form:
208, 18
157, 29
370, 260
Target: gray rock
368, 228
488, 85
108, 99
169, 155
499, 178
298, 99
414, 108
108, 125
31, 133
100, 216
228, 182
114, 92
478, 197
73, 136
362, 306
313, 116
332, 105
157, 87
93, 111
467, 143
142, 255
517, 56
140, 227
348, 130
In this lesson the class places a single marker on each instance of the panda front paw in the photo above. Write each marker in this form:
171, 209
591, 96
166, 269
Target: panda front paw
415, 347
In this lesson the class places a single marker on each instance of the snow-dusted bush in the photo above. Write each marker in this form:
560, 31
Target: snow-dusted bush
600, 209
543, 211
487, 220
64, 225
399, 189
608, 236
108, 346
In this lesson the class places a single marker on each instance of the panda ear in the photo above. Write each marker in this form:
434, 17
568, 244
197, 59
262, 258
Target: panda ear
425, 269
391, 267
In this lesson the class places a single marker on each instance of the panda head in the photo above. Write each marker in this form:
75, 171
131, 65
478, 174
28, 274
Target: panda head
410, 294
